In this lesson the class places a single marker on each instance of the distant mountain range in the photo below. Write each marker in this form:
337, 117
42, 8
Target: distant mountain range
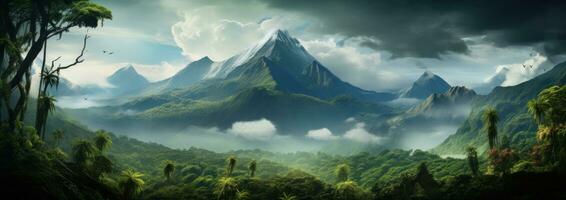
511, 105
280, 81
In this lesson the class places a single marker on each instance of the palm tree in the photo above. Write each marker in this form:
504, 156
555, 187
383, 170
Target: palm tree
536, 109
58, 136
83, 152
101, 164
102, 140
227, 188
45, 105
490, 120
342, 172
168, 169
252, 167
287, 197
131, 183
231, 165
473, 160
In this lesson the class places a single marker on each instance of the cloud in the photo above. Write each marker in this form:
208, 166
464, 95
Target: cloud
360, 134
352, 64
429, 28
516, 73
261, 129
203, 33
321, 134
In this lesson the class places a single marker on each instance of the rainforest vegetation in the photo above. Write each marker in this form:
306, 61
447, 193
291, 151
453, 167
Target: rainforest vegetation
45, 154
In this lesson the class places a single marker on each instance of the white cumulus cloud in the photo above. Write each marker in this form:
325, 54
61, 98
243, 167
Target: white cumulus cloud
321, 134
261, 129
360, 134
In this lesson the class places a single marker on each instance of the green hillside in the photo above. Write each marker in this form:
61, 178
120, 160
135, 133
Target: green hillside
511, 105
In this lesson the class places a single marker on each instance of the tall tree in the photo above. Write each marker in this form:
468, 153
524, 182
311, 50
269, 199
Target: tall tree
102, 140
168, 169
26, 27
536, 109
473, 160
549, 110
46, 104
342, 172
227, 188
83, 153
231, 165
131, 183
252, 167
490, 120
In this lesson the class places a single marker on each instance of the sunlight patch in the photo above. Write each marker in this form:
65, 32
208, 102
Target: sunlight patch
261, 129
321, 134
360, 134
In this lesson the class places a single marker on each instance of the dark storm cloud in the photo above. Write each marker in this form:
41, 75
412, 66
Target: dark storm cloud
427, 28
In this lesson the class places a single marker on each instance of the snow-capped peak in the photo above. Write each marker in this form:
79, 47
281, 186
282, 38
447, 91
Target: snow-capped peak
278, 40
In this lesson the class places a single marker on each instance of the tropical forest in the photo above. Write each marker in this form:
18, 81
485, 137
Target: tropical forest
282, 99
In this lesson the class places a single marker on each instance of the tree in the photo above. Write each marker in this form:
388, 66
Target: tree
426, 180
27, 25
231, 165
102, 140
83, 153
490, 120
45, 105
101, 165
131, 183
502, 160
58, 136
348, 190
287, 197
252, 167
473, 160
227, 188
549, 111
168, 169
536, 109
342, 172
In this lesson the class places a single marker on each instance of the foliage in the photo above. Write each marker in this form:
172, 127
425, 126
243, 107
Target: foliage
490, 120
473, 162
168, 169
342, 172
131, 183
102, 140
83, 152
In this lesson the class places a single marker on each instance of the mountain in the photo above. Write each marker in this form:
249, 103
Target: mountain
432, 120
444, 104
427, 84
277, 80
290, 113
67, 88
191, 74
127, 80
280, 62
511, 105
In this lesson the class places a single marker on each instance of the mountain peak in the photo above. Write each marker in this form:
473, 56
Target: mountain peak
427, 84
277, 45
125, 76
279, 34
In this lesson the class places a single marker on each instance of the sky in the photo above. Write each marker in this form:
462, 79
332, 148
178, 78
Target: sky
377, 45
